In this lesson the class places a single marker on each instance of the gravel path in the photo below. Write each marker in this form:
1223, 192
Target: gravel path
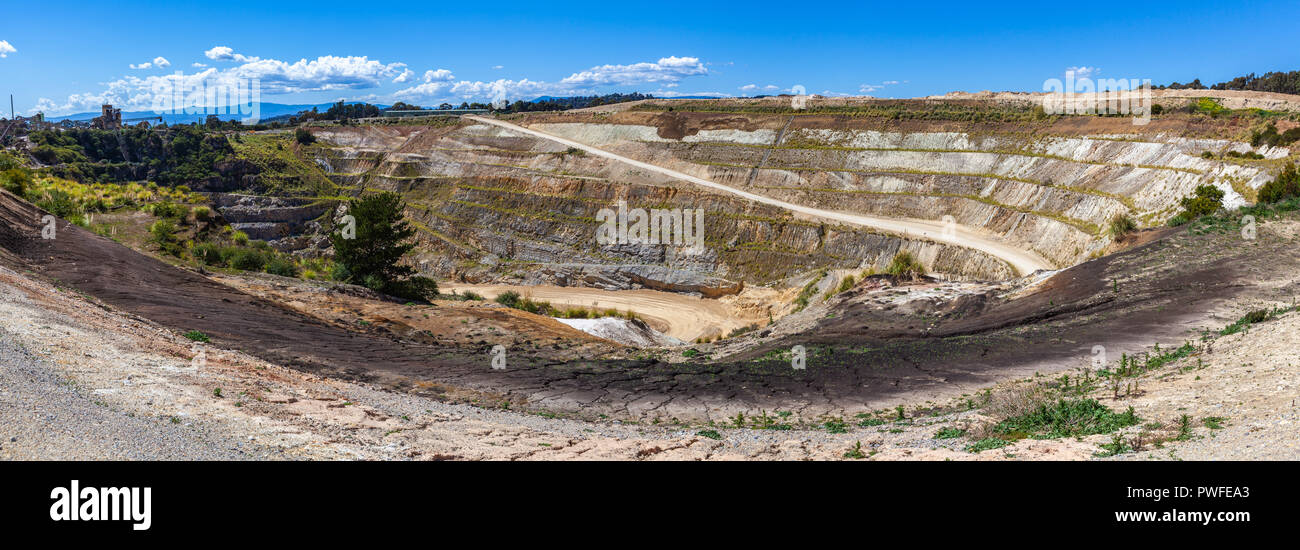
44, 417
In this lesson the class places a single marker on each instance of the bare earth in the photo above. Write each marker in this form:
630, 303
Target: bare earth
132, 369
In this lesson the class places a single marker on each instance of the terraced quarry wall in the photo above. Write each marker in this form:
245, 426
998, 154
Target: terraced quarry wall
1032, 186
494, 206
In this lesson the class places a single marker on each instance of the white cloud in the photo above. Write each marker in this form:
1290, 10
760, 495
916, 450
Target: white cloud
198, 65
405, 76
159, 62
276, 77
667, 72
226, 53
750, 88
667, 69
426, 90
873, 88
220, 53
498, 67
441, 75
6, 48
1083, 72
323, 73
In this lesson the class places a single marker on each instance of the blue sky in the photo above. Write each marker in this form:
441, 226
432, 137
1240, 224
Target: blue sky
68, 56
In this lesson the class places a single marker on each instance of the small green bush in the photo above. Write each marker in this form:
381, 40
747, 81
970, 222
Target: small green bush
247, 259
1285, 186
1207, 199
281, 266
1121, 225
905, 265
207, 253
508, 298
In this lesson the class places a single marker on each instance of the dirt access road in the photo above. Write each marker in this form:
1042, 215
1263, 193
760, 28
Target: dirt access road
1024, 262
678, 315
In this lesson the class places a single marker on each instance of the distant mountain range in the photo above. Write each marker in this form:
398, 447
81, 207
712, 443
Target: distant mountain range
268, 111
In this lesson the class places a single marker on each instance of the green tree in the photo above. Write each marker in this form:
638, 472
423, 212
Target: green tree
372, 253
304, 136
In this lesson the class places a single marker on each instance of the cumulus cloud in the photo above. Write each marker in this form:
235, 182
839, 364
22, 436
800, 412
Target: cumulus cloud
226, 53
751, 88
405, 76
275, 77
666, 72
873, 88
160, 62
323, 73
6, 48
1083, 72
667, 69
498, 67
198, 65
440, 75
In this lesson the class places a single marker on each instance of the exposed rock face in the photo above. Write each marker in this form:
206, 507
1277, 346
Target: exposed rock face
1050, 194
286, 223
492, 205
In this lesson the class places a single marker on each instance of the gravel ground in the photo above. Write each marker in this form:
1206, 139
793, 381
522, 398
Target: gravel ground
46, 417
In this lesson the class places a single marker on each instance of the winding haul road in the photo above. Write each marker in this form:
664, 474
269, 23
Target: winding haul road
1023, 261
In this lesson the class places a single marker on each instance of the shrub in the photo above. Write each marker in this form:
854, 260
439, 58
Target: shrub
340, 273
1285, 186
203, 213
374, 282
846, 283
281, 266
197, 336
59, 203
16, 180
509, 298
168, 209
414, 288
303, 136
1121, 225
239, 238
1207, 199
161, 233
905, 265
247, 259
207, 253
1068, 418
